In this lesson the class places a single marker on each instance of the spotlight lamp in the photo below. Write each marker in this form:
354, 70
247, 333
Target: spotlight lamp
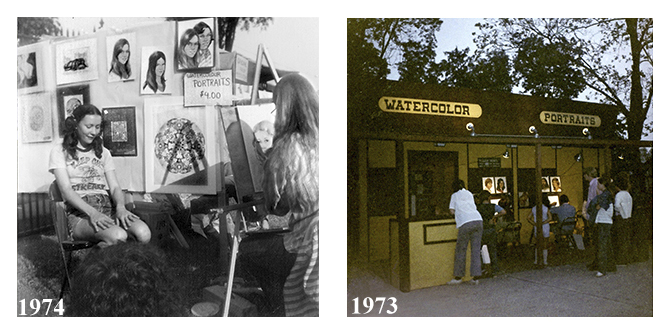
470, 127
578, 157
586, 133
506, 154
533, 130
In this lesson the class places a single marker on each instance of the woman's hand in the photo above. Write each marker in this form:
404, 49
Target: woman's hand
100, 222
125, 218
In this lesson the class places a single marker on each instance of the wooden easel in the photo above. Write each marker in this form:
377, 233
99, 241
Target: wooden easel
239, 162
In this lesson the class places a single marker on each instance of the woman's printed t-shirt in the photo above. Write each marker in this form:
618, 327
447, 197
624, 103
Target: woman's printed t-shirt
87, 172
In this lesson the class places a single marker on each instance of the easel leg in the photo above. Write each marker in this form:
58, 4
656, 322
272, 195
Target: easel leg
238, 220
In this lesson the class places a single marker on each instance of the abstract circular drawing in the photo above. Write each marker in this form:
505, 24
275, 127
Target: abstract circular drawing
179, 145
36, 118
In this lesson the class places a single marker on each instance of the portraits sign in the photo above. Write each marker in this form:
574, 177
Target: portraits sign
119, 132
29, 69
121, 58
195, 44
35, 111
156, 60
76, 61
213, 88
69, 98
180, 152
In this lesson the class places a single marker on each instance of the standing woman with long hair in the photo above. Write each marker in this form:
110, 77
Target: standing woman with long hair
84, 173
156, 72
291, 185
120, 69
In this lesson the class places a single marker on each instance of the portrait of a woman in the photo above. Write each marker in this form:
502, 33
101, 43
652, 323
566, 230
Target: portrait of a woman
120, 67
155, 82
187, 50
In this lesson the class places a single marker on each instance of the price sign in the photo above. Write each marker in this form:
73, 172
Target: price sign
208, 88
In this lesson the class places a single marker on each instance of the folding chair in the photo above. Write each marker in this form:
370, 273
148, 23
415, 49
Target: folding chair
65, 242
565, 232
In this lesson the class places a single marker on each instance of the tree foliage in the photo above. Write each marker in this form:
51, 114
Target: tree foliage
609, 59
31, 29
486, 71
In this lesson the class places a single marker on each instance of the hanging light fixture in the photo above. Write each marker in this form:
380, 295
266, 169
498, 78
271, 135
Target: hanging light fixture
505, 155
470, 127
578, 157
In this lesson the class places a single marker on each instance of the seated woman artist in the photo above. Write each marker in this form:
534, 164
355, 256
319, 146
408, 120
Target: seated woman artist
84, 172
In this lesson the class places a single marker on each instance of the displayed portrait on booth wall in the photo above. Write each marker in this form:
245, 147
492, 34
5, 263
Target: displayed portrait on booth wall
69, 98
489, 184
29, 69
545, 185
35, 112
121, 58
500, 185
76, 61
556, 185
154, 72
195, 44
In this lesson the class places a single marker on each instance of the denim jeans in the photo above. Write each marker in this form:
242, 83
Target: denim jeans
469, 232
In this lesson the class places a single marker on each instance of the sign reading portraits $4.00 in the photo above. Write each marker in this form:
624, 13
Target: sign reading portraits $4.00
207, 89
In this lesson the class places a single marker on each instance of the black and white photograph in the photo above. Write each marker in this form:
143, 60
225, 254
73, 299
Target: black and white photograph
195, 44
143, 205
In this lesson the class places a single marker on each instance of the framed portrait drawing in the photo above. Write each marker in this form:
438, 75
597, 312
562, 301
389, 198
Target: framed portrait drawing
121, 58
180, 147
556, 184
195, 44
545, 185
119, 132
156, 61
76, 61
500, 185
488, 184
67, 99
35, 113
30, 69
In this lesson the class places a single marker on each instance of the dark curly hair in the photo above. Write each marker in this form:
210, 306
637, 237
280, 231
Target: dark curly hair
124, 280
70, 138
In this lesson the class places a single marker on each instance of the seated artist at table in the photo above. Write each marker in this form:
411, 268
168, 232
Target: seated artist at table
563, 211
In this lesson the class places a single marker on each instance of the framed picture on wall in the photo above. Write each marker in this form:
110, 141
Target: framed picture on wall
67, 99
29, 69
488, 184
545, 184
180, 147
556, 184
195, 44
76, 61
35, 113
155, 77
500, 185
119, 132
121, 55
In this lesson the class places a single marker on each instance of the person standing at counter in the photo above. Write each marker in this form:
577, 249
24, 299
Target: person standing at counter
469, 229
603, 204
489, 213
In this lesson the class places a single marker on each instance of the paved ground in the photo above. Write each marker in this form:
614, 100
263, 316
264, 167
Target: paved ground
561, 290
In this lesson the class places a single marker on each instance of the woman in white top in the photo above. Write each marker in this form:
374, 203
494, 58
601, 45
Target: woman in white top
623, 240
85, 172
469, 229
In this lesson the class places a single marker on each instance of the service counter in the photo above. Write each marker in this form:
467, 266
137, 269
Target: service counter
427, 258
